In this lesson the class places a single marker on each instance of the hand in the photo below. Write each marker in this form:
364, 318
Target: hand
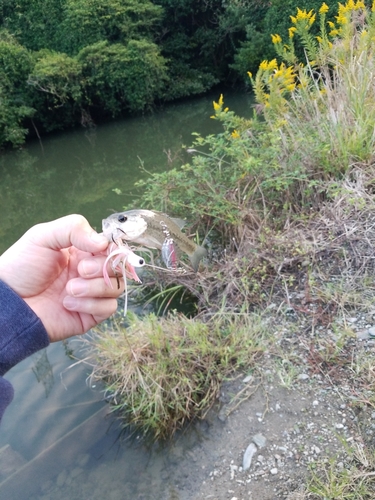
57, 268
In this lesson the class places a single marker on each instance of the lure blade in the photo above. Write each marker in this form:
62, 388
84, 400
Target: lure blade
169, 253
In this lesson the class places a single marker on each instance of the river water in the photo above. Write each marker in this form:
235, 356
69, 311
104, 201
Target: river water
57, 439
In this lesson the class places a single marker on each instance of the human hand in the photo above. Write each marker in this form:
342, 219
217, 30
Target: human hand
57, 268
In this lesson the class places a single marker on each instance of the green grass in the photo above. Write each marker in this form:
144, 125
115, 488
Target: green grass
164, 371
329, 481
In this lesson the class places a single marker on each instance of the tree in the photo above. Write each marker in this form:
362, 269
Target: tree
122, 77
87, 22
15, 65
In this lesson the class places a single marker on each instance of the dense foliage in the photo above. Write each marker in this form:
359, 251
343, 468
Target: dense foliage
65, 62
316, 126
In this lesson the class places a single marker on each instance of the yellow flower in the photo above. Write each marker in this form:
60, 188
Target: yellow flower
302, 14
272, 64
359, 5
293, 19
320, 39
218, 105
332, 25
276, 39
292, 30
373, 6
250, 74
344, 12
263, 65
324, 8
235, 134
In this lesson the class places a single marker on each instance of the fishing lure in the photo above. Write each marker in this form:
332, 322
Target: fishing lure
124, 261
169, 254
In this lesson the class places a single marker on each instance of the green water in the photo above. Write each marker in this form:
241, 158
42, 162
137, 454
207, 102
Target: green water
77, 172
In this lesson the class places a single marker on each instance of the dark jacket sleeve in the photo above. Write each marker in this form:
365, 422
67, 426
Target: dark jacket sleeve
21, 334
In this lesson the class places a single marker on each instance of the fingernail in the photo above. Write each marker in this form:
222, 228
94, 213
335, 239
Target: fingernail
98, 238
90, 267
77, 288
70, 303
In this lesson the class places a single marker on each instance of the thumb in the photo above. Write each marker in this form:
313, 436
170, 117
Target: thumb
67, 231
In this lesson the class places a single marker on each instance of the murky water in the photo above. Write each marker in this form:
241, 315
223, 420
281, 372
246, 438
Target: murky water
57, 439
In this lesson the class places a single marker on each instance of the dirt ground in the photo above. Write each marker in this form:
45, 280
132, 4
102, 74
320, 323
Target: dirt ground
318, 425
293, 428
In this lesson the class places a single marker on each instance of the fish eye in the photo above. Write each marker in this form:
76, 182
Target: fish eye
122, 218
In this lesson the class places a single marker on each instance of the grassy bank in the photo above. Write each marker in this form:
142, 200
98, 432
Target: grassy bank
284, 203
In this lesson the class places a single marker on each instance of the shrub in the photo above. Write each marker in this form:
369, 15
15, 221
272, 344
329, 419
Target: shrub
122, 77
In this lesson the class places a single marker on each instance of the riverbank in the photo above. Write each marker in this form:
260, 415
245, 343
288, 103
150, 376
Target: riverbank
305, 403
307, 409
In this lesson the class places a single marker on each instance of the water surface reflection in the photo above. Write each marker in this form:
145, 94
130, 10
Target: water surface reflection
57, 432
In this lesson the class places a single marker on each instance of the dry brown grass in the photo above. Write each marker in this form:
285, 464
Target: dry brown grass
326, 259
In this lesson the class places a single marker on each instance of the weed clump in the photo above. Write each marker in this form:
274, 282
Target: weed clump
163, 372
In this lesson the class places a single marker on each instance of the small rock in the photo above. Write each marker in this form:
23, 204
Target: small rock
274, 471
259, 440
352, 320
364, 334
76, 472
61, 478
371, 331
83, 459
303, 376
339, 426
249, 453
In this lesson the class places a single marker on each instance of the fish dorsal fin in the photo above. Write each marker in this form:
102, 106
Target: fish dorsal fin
180, 222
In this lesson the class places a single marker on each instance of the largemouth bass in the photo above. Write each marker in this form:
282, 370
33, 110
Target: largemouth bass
153, 230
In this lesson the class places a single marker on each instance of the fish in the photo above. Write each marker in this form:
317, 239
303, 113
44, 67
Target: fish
154, 229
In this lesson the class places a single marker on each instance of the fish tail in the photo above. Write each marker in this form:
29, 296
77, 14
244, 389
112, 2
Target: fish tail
197, 256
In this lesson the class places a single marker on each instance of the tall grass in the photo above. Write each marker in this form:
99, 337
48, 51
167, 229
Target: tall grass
324, 106
164, 372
